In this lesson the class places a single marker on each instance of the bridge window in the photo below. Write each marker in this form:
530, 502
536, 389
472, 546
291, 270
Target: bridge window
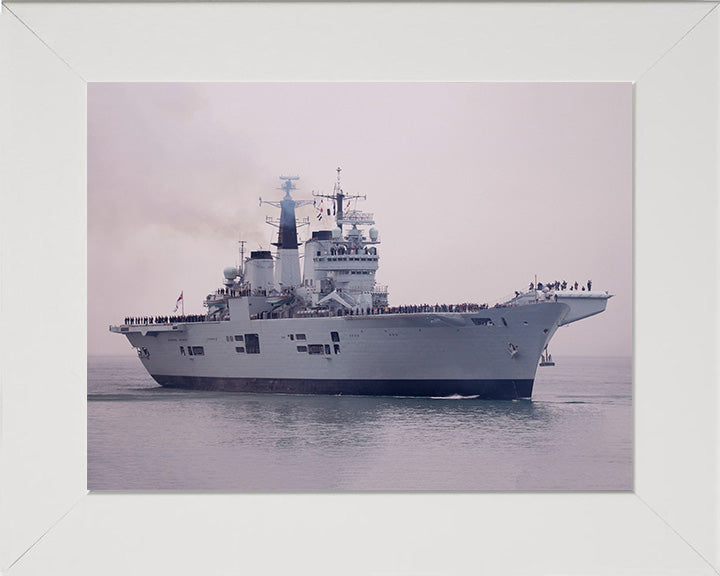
239, 349
504, 321
335, 336
316, 349
252, 344
238, 338
198, 351
302, 348
482, 321
337, 348
327, 348
182, 350
300, 336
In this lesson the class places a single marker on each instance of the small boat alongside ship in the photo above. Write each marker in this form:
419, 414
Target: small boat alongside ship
546, 359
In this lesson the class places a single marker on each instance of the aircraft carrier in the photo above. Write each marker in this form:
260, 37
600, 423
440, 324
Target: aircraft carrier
330, 330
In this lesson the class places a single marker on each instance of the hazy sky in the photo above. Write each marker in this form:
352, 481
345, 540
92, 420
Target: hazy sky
475, 189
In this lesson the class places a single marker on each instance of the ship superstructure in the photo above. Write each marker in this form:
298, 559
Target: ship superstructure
340, 264
331, 330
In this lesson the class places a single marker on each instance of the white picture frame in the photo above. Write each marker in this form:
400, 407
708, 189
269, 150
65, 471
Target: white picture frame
49, 523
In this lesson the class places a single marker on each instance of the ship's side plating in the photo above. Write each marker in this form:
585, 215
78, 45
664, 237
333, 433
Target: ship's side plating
492, 353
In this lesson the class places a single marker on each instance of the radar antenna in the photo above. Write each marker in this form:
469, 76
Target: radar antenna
286, 187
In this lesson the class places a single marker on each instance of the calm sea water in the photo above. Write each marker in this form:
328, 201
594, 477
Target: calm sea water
575, 434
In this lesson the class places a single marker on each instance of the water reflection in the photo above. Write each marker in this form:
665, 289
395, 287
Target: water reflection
357, 423
575, 434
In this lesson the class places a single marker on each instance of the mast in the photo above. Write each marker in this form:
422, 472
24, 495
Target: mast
339, 197
241, 268
287, 263
287, 234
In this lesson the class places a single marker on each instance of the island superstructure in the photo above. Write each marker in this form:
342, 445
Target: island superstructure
330, 330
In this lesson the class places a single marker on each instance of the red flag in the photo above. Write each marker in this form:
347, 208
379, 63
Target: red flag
178, 302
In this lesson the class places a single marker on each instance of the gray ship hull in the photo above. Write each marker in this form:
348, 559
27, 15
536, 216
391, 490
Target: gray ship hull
490, 353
